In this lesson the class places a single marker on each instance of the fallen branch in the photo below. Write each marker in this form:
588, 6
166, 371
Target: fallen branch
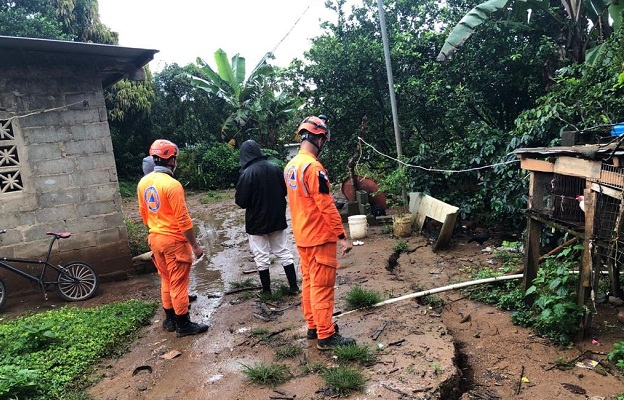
520, 381
399, 391
379, 330
243, 289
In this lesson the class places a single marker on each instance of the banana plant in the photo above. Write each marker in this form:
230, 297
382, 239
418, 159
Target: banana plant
229, 83
583, 17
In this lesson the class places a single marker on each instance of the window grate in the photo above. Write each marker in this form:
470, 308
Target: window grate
10, 176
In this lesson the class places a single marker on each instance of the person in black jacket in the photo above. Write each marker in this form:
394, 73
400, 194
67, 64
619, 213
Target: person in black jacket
261, 191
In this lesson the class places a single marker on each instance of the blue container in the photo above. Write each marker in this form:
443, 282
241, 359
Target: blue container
618, 129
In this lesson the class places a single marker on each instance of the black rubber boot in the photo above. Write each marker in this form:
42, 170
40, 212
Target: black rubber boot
333, 341
292, 278
185, 327
169, 323
311, 333
265, 279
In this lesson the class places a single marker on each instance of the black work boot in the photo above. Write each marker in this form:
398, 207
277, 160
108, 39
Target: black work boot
292, 278
333, 341
311, 333
265, 279
169, 323
185, 327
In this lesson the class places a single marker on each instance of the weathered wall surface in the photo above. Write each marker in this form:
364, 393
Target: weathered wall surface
53, 121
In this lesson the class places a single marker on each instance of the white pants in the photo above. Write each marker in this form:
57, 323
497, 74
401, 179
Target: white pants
263, 245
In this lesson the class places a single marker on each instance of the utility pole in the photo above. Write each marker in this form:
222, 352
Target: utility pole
395, 116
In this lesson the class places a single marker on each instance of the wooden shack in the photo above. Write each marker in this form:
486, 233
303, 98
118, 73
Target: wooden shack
557, 176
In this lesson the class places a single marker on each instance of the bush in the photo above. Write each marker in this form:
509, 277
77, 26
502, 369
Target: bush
201, 167
137, 237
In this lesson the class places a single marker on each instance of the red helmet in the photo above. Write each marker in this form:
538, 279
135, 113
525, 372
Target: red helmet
313, 125
164, 149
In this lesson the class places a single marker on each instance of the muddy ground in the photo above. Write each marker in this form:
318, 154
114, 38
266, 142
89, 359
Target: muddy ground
462, 350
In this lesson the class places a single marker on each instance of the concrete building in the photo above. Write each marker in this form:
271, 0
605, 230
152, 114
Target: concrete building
57, 169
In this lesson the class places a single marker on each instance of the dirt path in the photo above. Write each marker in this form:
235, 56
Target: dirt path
462, 350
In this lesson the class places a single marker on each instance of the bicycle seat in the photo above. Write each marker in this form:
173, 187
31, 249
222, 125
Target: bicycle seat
62, 235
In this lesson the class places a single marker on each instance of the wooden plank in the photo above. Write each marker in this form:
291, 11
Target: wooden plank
614, 193
446, 232
531, 255
578, 167
422, 206
537, 183
536, 165
612, 178
587, 262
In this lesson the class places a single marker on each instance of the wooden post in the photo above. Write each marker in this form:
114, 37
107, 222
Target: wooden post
531, 255
534, 230
585, 282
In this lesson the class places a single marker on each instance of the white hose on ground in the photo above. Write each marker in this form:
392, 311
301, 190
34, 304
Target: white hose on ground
438, 290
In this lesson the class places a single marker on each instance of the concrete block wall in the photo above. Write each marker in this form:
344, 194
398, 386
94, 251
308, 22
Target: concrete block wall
67, 166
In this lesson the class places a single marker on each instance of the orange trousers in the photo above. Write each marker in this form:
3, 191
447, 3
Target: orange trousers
173, 260
318, 268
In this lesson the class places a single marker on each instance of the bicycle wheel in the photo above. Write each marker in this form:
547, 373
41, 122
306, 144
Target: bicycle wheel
3, 293
77, 281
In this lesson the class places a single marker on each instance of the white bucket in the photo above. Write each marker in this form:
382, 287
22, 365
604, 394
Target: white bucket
357, 226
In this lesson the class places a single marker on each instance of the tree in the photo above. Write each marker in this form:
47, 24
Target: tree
585, 26
452, 116
257, 108
73, 20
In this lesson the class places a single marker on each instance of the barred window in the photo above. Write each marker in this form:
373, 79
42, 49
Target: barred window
10, 177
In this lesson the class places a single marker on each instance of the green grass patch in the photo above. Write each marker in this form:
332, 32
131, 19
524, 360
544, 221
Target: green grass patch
504, 294
387, 229
214, 197
288, 351
137, 237
243, 284
128, 189
51, 355
266, 374
355, 353
277, 294
358, 297
313, 368
259, 332
400, 247
344, 380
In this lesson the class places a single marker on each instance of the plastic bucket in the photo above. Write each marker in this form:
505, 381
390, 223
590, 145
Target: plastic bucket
402, 225
357, 226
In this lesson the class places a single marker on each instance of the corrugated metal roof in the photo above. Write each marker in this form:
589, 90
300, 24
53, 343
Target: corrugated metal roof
588, 151
114, 62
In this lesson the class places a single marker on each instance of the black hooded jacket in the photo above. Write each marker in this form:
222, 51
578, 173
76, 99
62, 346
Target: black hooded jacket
261, 191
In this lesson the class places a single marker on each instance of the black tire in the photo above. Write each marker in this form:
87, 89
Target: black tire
3, 293
77, 281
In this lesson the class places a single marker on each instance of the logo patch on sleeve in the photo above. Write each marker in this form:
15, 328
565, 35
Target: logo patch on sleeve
323, 182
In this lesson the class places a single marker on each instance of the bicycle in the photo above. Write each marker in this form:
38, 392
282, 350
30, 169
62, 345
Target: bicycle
75, 281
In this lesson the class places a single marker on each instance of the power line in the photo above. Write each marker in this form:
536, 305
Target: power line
434, 169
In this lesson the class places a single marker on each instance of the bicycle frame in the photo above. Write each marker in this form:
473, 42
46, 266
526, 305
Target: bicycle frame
4, 263
75, 280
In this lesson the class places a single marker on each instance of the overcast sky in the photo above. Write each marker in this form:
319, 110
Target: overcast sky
183, 30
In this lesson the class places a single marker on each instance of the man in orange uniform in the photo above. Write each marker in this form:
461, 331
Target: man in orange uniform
171, 238
318, 230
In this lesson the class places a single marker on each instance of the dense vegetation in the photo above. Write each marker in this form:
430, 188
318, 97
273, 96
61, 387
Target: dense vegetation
517, 79
513, 82
51, 355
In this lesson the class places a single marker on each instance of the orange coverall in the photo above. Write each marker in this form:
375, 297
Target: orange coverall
316, 225
163, 209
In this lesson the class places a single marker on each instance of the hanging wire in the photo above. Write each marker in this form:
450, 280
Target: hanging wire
294, 25
434, 169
